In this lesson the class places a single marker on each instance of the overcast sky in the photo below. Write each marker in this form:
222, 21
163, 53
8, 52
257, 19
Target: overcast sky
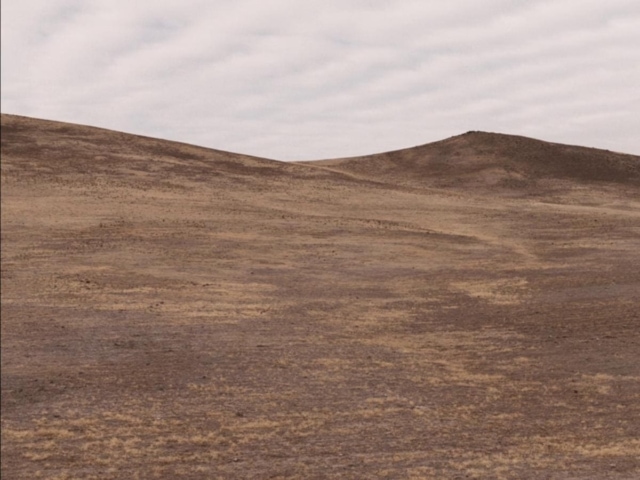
299, 80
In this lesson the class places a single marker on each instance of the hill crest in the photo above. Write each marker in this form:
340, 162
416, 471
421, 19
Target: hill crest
473, 160
476, 159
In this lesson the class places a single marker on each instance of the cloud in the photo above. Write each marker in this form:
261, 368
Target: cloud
306, 80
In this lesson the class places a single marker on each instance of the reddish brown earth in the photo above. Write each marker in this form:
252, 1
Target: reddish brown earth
463, 309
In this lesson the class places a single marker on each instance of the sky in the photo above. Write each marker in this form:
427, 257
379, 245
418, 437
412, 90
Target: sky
306, 80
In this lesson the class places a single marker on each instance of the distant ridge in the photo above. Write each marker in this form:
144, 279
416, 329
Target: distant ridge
34, 147
475, 160
494, 160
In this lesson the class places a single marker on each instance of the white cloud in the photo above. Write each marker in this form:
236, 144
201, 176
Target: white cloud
303, 80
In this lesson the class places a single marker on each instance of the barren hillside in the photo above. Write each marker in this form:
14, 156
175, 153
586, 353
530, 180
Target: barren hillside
464, 309
501, 163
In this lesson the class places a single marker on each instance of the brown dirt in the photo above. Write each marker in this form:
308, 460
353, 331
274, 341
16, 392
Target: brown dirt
494, 163
170, 311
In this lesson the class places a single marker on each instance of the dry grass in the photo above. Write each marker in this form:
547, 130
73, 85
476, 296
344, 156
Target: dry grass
175, 312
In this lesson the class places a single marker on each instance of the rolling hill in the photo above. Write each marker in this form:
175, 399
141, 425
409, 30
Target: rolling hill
462, 309
495, 161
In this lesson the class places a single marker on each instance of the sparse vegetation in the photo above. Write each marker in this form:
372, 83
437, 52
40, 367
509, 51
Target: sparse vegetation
170, 311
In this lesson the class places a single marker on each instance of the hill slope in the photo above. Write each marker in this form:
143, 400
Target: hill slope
44, 148
171, 311
496, 161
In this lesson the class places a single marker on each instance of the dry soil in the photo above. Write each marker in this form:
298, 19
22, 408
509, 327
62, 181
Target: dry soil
464, 309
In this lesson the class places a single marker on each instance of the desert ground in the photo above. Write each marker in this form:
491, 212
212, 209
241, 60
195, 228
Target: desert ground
468, 308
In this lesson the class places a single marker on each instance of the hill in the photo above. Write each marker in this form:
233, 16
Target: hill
48, 149
465, 309
494, 161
